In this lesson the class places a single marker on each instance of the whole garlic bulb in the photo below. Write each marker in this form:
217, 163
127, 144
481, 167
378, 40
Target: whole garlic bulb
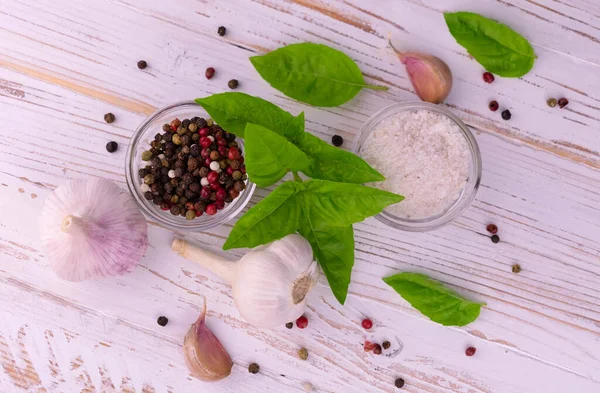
92, 228
270, 283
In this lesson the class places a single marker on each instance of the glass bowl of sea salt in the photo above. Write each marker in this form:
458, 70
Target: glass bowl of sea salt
426, 154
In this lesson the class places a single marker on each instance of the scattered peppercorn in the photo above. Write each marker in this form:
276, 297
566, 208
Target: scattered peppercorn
308, 387
253, 368
302, 322
488, 77
492, 228
495, 239
221, 30
289, 325
367, 323
162, 321
303, 353
210, 72
506, 115
233, 84
562, 102
386, 345
377, 349
142, 64
551, 102
369, 346
112, 146
470, 351
399, 382
493, 105
109, 118
337, 140
516, 268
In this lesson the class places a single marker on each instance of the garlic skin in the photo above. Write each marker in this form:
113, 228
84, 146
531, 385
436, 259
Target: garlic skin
92, 228
204, 355
431, 77
270, 283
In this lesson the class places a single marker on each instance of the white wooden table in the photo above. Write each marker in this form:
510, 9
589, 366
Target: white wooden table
65, 63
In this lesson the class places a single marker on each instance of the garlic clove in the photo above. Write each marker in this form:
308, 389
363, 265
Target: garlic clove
430, 76
92, 228
205, 356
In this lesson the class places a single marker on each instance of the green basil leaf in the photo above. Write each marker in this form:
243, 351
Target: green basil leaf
497, 47
434, 300
312, 73
295, 129
272, 218
332, 163
343, 204
270, 156
334, 249
233, 111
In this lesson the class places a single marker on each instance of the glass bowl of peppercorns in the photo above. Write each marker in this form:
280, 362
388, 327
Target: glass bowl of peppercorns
185, 171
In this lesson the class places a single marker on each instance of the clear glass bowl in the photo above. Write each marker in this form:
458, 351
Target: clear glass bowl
140, 142
468, 193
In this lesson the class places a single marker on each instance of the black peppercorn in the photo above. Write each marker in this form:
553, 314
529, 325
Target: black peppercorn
194, 187
166, 128
162, 321
109, 117
399, 383
175, 210
201, 123
157, 200
233, 84
192, 164
253, 368
186, 123
221, 31
516, 268
142, 172
386, 345
148, 195
142, 64
495, 239
289, 325
239, 186
506, 115
195, 137
166, 137
203, 171
337, 140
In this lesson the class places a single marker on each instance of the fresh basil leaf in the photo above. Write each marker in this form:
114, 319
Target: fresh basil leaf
334, 249
497, 47
270, 156
233, 111
332, 163
343, 204
272, 218
434, 300
312, 73
295, 129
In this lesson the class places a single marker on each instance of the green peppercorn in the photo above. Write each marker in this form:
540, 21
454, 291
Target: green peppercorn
181, 130
237, 175
166, 128
149, 179
195, 137
176, 140
182, 200
190, 215
165, 163
193, 127
147, 155
303, 353
210, 122
223, 164
175, 199
552, 102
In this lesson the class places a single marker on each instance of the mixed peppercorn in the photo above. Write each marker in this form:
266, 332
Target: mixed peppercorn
194, 167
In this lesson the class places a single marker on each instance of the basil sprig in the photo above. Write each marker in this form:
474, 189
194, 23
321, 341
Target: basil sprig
322, 209
497, 47
434, 300
312, 73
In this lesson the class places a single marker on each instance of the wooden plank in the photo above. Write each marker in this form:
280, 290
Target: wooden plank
63, 65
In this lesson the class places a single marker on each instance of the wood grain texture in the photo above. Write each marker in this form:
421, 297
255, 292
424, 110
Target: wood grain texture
63, 64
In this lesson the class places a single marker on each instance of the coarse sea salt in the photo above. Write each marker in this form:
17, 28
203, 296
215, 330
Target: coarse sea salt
423, 156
